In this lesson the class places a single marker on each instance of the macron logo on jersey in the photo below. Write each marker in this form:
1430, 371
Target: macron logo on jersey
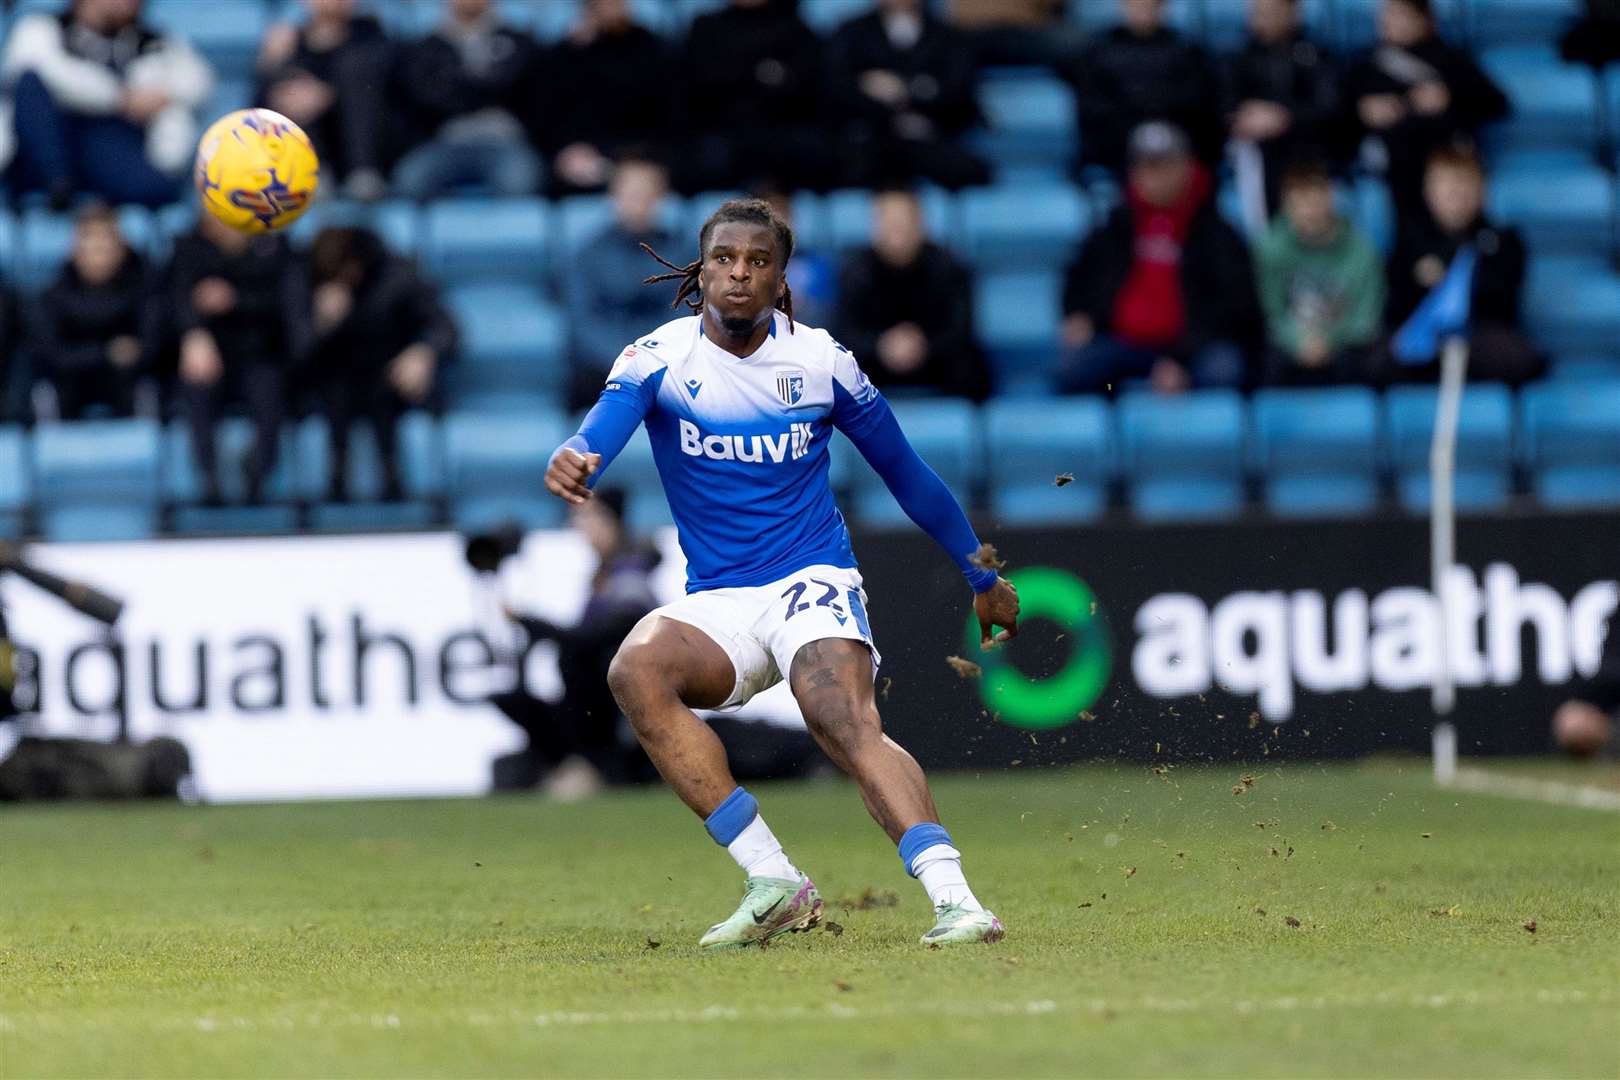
793, 443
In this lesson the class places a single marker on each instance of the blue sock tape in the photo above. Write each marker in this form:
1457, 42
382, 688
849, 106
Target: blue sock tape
920, 838
731, 817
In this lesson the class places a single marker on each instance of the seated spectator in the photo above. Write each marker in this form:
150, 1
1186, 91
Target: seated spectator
619, 60
96, 327
752, 73
907, 309
1017, 32
380, 335
608, 306
464, 83
1453, 245
812, 275
102, 105
329, 77
1281, 98
904, 83
241, 308
1164, 290
1140, 71
1413, 93
1321, 286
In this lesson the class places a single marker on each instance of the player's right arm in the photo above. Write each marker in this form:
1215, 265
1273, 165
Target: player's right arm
631, 388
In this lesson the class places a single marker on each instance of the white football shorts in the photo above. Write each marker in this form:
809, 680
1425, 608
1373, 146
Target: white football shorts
763, 627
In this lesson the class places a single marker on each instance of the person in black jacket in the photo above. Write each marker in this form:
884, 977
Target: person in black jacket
1280, 92
752, 74
1140, 71
96, 327
1453, 217
907, 307
465, 84
380, 336
618, 59
1413, 93
904, 82
329, 76
241, 309
1164, 290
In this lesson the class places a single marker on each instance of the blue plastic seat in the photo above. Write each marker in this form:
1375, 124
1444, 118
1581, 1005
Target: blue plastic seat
1182, 456
512, 343
1029, 117
16, 483
98, 479
1561, 200
1016, 314
470, 239
1572, 305
396, 221
1024, 226
1372, 208
1355, 22
1317, 450
233, 441
1554, 103
1502, 22
1484, 452
944, 431
1029, 442
1571, 441
1578, 368
496, 466
227, 34
849, 216
43, 243
421, 463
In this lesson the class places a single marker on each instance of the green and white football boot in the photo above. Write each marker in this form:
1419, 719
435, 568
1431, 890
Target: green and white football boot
954, 924
771, 906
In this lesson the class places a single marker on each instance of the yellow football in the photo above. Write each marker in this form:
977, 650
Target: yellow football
256, 170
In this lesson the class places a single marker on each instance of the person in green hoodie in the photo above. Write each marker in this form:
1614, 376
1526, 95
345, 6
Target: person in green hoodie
1321, 286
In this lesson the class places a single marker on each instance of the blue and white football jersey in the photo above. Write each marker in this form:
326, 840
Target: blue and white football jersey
741, 444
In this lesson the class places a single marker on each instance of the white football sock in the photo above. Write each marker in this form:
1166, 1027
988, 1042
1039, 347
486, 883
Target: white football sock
939, 868
759, 852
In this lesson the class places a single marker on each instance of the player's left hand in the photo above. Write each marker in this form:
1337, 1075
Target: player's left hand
997, 606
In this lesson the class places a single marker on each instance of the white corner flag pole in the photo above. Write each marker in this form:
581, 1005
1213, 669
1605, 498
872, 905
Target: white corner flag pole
1443, 543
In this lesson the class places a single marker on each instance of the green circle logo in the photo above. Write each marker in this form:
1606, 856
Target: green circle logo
1056, 701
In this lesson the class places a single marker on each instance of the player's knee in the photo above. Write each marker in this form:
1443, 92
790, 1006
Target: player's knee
632, 672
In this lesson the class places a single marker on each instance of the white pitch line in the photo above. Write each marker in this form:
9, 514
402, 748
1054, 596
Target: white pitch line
839, 1010
1485, 782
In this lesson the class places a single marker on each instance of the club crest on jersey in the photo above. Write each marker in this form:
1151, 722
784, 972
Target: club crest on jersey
790, 386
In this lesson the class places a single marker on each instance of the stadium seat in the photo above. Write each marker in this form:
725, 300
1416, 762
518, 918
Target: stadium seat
1577, 368
1023, 226
1016, 314
944, 431
421, 475
16, 488
1182, 456
1503, 22
227, 34
1183, 15
44, 240
1484, 455
1355, 23
849, 216
1572, 305
553, 19
98, 479
825, 16
1554, 103
496, 467
233, 442
1575, 222
396, 221
511, 346
580, 217
1029, 442
1571, 441
475, 239
1372, 208
1317, 450
1030, 121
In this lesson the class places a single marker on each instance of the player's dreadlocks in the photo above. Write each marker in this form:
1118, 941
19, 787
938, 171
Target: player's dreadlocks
748, 211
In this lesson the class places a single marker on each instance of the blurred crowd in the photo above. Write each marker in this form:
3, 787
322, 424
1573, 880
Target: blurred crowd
1165, 291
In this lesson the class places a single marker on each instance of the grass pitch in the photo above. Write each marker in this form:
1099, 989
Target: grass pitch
1339, 921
